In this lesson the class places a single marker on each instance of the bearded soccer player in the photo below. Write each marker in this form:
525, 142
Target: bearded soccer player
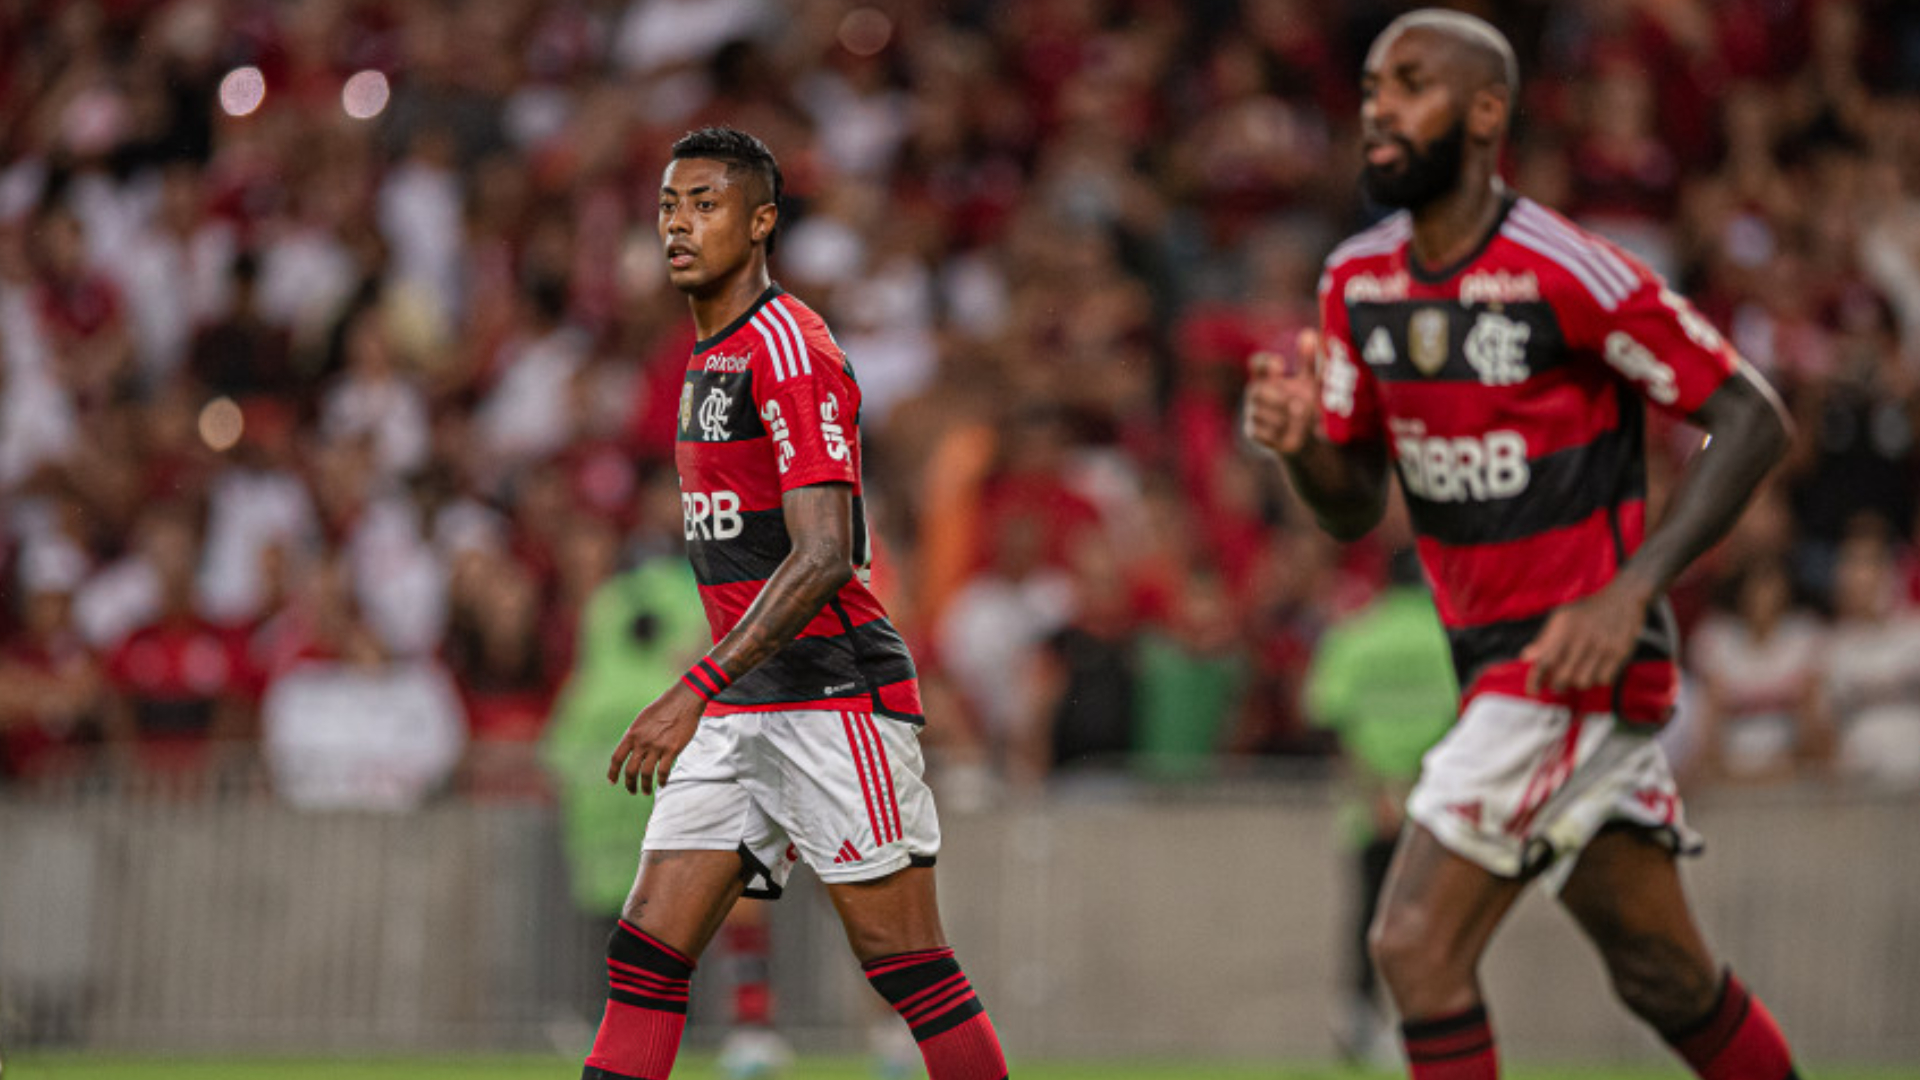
1500, 361
796, 736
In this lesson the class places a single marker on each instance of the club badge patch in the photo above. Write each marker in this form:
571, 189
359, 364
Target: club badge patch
1427, 340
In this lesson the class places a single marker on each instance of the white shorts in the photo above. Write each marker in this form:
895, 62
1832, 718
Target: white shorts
1520, 787
841, 789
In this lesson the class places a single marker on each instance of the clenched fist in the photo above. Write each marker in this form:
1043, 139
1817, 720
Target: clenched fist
1283, 396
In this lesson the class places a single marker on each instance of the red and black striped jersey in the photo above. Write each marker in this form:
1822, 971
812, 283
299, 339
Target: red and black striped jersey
770, 404
1510, 389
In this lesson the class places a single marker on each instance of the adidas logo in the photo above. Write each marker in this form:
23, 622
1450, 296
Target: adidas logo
1468, 810
848, 853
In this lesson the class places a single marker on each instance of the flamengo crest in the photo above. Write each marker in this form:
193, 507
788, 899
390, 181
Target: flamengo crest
1497, 349
713, 414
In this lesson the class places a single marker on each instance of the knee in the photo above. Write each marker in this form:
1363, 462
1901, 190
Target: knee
1404, 948
1659, 981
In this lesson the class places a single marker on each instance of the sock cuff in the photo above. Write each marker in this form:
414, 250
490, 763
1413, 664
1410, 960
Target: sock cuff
1446, 1038
1706, 1037
630, 939
882, 965
927, 988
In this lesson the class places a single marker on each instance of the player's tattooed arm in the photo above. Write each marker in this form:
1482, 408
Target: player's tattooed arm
1749, 433
819, 518
820, 521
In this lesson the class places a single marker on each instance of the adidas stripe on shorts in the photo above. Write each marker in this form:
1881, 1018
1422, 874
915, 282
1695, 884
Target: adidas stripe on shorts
840, 789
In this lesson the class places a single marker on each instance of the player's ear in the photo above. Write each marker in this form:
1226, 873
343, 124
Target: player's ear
1487, 113
765, 217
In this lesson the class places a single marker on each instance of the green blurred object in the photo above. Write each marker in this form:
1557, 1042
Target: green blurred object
1383, 682
1186, 697
640, 631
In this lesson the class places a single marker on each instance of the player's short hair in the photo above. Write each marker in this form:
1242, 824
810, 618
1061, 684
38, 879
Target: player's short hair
1477, 35
740, 153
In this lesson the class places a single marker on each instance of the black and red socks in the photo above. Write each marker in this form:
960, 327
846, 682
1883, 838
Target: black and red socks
647, 989
931, 993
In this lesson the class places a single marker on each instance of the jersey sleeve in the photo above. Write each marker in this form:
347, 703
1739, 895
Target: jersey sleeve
810, 407
1349, 394
1649, 335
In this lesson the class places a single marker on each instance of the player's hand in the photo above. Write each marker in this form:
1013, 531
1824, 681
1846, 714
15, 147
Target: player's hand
1587, 642
1283, 396
655, 738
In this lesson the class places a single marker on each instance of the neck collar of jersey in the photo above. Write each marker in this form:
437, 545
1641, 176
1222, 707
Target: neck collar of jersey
745, 317
1433, 277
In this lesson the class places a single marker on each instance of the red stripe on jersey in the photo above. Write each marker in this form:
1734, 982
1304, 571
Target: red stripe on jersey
1490, 583
1566, 407
833, 704
726, 604
1647, 691
740, 467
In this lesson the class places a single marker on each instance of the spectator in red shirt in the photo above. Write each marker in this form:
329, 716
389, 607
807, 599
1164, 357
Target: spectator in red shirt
49, 679
180, 683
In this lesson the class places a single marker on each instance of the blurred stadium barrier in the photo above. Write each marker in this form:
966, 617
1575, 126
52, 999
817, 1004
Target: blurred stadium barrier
1167, 923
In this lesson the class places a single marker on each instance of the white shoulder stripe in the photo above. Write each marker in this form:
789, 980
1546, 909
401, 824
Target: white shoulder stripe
1604, 292
775, 352
1599, 249
794, 349
799, 339
1377, 240
1603, 260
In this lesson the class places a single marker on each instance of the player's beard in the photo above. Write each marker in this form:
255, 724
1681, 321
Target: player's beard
1422, 175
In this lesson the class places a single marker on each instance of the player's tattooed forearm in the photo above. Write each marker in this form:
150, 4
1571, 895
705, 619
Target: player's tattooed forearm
820, 522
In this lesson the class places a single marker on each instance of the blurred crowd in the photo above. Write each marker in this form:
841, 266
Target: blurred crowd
338, 369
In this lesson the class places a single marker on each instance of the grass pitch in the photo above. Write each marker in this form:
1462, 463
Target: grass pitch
701, 1067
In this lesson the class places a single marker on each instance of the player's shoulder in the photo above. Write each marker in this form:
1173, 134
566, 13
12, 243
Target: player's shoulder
795, 335
1365, 249
1383, 237
809, 324
1583, 260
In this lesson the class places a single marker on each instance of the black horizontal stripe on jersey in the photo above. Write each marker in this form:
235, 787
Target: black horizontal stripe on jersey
759, 548
753, 554
1476, 648
1563, 488
852, 664
740, 423
1545, 347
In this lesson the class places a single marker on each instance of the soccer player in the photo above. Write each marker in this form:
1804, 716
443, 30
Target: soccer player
1500, 361
796, 735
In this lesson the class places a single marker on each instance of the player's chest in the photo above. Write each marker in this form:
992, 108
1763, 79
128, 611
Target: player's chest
717, 406
1446, 340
